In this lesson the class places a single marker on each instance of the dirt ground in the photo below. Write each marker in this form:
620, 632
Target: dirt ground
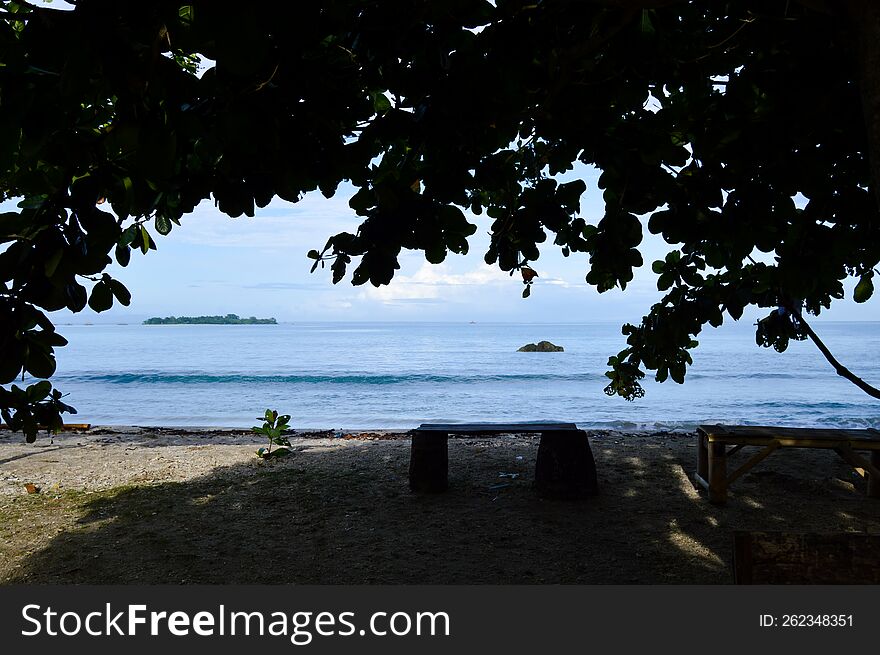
159, 505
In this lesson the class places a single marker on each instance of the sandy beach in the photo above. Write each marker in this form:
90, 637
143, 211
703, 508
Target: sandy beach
165, 505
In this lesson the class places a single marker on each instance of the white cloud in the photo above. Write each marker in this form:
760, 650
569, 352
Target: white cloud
434, 282
544, 277
297, 226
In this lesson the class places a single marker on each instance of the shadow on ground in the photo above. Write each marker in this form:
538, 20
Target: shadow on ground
346, 516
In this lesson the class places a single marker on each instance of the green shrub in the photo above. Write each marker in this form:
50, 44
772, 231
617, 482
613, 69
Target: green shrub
273, 429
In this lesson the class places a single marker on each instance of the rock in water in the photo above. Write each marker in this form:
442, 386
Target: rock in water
541, 347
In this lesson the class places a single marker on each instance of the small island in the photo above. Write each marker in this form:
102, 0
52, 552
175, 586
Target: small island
541, 347
229, 319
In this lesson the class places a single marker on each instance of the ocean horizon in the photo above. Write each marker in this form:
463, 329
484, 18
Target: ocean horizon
379, 375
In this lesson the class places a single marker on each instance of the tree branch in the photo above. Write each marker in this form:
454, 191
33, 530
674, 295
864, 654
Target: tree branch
839, 368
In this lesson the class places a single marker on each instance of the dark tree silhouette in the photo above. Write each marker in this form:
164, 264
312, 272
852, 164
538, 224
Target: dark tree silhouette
709, 118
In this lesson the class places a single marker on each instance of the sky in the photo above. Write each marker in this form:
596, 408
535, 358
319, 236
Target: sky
213, 264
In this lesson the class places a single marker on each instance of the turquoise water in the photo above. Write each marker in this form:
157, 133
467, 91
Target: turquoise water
383, 375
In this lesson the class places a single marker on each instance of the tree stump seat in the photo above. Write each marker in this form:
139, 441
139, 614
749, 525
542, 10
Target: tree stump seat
712, 453
565, 467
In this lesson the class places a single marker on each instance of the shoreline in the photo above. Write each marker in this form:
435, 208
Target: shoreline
305, 432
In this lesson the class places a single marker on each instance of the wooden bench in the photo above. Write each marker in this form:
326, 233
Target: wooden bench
712, 452
565, 467
785, 558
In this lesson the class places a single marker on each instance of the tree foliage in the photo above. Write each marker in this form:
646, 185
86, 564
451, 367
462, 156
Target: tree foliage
706, 118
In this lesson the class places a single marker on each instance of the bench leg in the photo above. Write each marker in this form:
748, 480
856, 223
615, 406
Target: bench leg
565, 467
702, 457
717, 473
429, 462
873, 480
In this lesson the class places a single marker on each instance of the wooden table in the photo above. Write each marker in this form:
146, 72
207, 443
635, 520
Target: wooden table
712, 452
565, 467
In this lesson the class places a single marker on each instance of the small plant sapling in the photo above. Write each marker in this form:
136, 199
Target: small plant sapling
273, 429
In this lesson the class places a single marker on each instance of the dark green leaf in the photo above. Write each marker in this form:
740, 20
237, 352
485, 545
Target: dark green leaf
381, 104
40, 363
163, 225
865, 288
75, 295
101, 298
123, 254
186, 14
33, 202
677, 372
39, 391
120, 292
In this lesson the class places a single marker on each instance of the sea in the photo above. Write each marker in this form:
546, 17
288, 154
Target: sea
346, 376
